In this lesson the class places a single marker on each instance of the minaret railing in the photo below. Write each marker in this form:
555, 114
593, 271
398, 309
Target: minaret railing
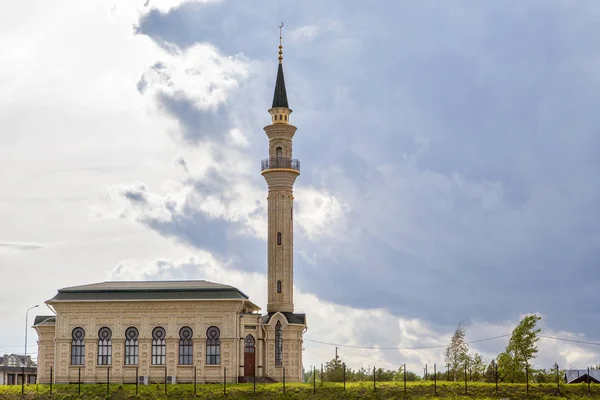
280, 163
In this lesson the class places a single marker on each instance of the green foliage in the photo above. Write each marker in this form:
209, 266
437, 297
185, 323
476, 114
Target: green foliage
489, 375
521, 348
333, 371
300, 391
477, 367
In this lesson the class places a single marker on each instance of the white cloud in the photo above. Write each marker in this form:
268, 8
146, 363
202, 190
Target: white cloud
318, 212
307, 32
198, 73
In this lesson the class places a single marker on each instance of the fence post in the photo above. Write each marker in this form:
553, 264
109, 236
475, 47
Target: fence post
344, 374
224, 381
496, 374
588, 379
165, 381
374, 388
465, 378
434, 379
283, 380
527, 376
425, 371
137, 379
107, 381
23, 379
404, 378
314, 380
195, 379
79, 381
557, 381
321, 374
51, 376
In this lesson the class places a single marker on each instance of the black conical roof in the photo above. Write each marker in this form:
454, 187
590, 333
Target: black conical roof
280, 95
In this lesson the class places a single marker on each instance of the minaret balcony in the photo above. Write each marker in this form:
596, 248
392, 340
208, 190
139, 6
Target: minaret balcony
280, 163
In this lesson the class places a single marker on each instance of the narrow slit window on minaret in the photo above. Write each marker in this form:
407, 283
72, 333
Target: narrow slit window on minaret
279, 238
280, 117
285, 118
278, 286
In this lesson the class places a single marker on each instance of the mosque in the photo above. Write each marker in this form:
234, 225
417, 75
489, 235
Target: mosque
186, 331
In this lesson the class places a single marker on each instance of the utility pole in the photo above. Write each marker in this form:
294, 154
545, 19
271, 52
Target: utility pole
336, 356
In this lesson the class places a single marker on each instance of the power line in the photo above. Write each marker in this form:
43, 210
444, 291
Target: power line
402, 348
569, 340
443, 346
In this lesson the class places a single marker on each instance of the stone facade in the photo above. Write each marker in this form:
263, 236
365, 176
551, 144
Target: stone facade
54, 342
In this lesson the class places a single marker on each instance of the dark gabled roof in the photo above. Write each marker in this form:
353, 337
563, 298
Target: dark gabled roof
149, 290
580, 375
280, 95
290, 317
44, 320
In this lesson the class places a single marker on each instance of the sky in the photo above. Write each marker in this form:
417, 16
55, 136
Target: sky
449, 155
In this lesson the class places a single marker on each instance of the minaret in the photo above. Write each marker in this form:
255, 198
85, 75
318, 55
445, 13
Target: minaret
280, 171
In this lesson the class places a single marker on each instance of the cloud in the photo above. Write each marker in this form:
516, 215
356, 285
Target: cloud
192, 85
438, 194
21, 246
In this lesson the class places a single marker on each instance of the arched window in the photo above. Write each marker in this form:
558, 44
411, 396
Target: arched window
278, 286
278, 153
279, 238
104, 346
249, 344
185, 346
77, 347
213, 346
278, 344
131, 346
158, 346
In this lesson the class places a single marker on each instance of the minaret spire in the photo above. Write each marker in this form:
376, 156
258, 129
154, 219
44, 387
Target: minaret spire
280, 95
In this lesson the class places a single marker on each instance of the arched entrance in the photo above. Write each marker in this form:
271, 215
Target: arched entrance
249, 352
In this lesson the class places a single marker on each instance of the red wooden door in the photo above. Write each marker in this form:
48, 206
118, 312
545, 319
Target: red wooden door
249, 359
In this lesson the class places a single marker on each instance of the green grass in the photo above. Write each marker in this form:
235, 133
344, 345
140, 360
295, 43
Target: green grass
355, 390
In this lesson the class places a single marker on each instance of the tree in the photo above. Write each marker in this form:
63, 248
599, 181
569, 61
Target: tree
521, 348
456, 352
490, 373
477, 368
333, 371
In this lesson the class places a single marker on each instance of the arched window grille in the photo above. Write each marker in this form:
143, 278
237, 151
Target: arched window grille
131, 346
213, 346
278, 286
249, 344
104, 346
77, 347
278, 344
158, 346
278, 238
185, 346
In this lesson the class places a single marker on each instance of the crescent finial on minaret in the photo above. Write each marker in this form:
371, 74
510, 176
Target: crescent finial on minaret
280, 46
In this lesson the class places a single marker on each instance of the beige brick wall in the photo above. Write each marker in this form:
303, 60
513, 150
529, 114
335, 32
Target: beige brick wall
54, 343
